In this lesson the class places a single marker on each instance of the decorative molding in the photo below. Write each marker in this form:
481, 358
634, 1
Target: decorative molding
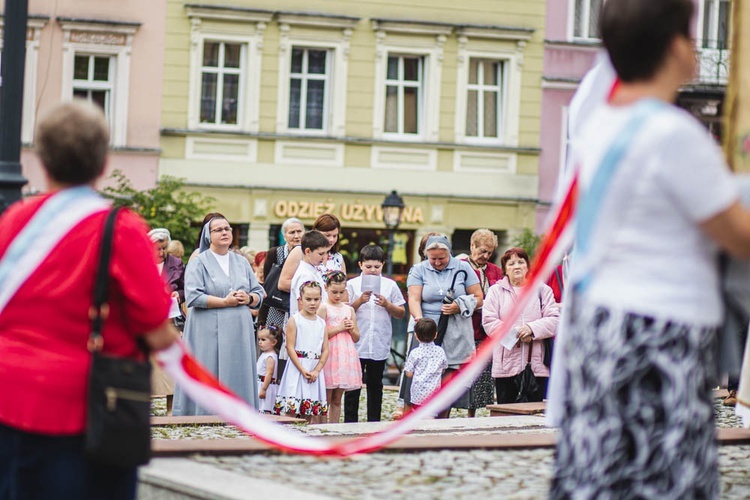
309, 153
210, 148
560, 83
495, 32
484, 161
356, 141
404, 158
108, 31
317, 20
97, 38
232, 14
411, 27
587, 45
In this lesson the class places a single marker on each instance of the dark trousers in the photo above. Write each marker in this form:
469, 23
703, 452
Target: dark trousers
34, 466
507, 390
372, 377
734, 382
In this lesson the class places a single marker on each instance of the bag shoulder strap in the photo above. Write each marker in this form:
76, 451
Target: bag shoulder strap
100, 309
558, 276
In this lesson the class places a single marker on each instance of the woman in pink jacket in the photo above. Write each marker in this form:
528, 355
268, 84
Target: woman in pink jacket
538, 322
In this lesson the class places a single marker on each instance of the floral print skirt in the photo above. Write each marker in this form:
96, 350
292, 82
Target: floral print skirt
638, 419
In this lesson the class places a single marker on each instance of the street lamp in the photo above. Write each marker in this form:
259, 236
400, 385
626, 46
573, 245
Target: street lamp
393, 207
11, 101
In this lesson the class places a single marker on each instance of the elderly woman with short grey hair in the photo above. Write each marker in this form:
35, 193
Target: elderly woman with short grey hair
432, 284
292, 229
172, 271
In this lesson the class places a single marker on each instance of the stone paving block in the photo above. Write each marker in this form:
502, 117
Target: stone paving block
166, 479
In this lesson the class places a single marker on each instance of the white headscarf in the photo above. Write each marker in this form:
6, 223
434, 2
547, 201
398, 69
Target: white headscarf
160, 234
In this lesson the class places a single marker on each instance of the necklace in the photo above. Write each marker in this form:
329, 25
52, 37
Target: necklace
441, 283
482, 274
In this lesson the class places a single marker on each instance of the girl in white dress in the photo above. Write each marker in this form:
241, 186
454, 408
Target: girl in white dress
269, 342
302, 391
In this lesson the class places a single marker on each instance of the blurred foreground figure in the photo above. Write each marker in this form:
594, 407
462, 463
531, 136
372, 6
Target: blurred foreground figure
636, 351
49, 250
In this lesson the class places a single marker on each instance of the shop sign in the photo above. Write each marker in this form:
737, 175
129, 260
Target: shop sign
347, 212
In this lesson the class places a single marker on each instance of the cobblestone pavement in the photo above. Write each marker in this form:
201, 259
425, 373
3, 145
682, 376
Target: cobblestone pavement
725, 418
513, 474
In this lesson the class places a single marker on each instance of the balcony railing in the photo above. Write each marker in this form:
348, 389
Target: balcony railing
713, 63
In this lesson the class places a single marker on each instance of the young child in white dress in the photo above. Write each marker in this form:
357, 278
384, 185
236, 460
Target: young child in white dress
302, 392
269, 342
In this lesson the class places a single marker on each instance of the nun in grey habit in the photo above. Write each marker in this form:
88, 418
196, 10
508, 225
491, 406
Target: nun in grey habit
221, 337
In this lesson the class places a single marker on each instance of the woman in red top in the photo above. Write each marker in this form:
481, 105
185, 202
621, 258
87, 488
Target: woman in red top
49, 249
483, 245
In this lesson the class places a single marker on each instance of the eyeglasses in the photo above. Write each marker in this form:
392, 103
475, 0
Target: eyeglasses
226, 229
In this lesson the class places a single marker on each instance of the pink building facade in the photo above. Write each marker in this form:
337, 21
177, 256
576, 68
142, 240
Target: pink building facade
570, 49
108, 53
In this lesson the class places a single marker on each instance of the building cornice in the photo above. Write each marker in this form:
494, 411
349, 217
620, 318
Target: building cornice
228, 13
437, 28
588, 45
183, 132
98, 25
317, 20
557, 83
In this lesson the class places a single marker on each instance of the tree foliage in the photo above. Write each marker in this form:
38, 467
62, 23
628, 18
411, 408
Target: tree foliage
528, 240
165, 205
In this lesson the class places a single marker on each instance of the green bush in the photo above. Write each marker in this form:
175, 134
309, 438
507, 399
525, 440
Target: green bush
165, 205
528, 240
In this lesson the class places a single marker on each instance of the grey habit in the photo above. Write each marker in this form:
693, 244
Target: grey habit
222, 339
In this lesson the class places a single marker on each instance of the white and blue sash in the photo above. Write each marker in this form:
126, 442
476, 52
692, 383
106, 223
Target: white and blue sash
55, 219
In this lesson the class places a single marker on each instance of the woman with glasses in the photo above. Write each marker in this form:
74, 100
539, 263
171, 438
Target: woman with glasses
220, 290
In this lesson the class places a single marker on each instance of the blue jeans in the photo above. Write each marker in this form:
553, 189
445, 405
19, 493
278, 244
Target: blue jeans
36, 466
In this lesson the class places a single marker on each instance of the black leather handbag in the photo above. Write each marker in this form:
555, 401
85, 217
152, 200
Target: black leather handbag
274, 297
118, 430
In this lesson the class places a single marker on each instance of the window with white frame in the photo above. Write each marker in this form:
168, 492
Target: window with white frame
586, 18
221, 73
308, 89
716, 19
93, 80
485, 98
96, 67
403, 94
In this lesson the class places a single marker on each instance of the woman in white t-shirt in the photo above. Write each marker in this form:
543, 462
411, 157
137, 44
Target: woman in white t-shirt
631, 388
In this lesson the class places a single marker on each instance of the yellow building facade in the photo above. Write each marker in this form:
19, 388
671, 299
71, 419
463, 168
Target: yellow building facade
286, 108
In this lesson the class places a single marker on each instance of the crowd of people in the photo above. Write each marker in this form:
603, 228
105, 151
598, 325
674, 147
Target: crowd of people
307, 367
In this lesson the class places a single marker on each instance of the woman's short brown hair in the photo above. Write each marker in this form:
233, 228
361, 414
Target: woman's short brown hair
72, 141
509, 253
328, 222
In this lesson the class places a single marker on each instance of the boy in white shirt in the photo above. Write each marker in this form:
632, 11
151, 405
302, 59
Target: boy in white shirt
314, 252
374, 312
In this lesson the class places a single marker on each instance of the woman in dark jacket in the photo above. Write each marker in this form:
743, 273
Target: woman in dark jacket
292, 229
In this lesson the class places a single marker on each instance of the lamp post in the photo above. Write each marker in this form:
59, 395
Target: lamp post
393, 207
11, 101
